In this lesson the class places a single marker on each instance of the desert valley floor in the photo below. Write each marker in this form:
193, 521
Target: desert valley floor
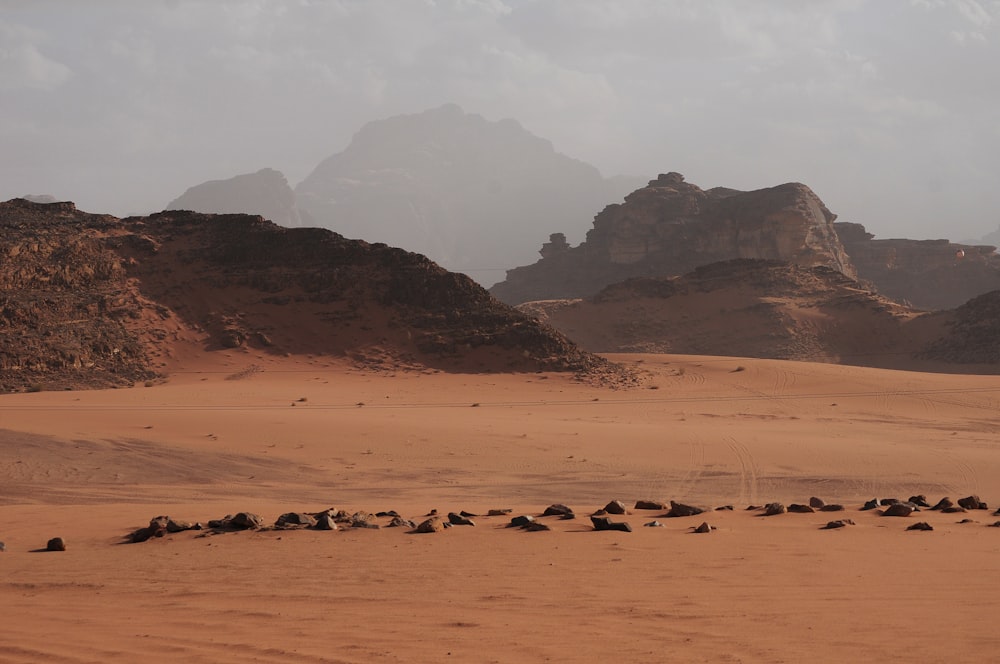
273, 436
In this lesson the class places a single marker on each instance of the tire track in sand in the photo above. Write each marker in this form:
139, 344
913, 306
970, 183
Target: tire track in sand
748, 469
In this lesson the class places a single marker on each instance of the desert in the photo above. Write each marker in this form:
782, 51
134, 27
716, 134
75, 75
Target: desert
304, 434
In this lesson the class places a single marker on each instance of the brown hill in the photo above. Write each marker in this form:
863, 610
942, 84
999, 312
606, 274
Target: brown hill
772, 309
92, 300
671, 227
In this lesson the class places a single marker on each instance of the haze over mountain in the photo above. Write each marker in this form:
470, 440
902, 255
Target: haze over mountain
265, 192
475, 196
121, 106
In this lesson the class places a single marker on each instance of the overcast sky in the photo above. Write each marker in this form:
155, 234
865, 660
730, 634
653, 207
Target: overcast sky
888, 109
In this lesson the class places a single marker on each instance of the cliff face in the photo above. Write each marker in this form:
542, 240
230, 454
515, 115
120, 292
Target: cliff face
91, 300
265, 192
473, 195
671, 227
928, 274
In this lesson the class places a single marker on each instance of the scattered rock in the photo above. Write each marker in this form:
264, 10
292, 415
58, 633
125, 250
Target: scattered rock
944, 503
704, 528
680, 509
459, 520
751, 508
972, 503
657, 524
920, 525
295, 520
650, 505
772, 509
243, 521
899, 509
724, 508
400, 522
839, 523
179, 526
833, 507
468, 514
363, 519
557, 509
889, 501
326, 522
536, 526
615, 507
967, 521
953, 509
3, 547
995, 524
56, 544
605, 523
816, 503
870, 505
919, 500
432, 525
501, 512
796, 508
521, 521
389, 513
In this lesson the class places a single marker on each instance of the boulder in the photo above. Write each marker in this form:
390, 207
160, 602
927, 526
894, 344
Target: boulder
796, 508
899, 509
325, 522
650, 505
536, 526
773, 509
295, 520
816, 503
832, 507
972, 503
400, 522
557, 509
920, 525
521, 521
944, 503
919, 500
456, 519
178, 526
615, 507
605, 523
680, 510
434, 524
870, 505
704, 528
56, 544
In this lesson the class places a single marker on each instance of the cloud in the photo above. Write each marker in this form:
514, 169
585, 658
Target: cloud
24, 65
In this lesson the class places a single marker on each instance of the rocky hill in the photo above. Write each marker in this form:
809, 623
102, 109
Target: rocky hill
475, 196
92, 300
671, 227
928, 274
774, 309
265, 193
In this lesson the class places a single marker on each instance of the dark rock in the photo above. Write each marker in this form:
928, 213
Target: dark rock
796, 508
919, 500
899, 509
240, 521
816, 503
178, 526
389, 513
832, 507
995, 524
501, 512
751, 508
56, 544
605, 523
326, 522
772, 509
657, 524
972, 503
536, 526
295, 520
650, 505
724, 508
953, 509
567, 517
3, 547
400, 522
468, 514
839, 523
889, 501
681, 510
521, 521
435, 524
920, 525
870, 505
557, 509
967, 521
944, 503
704, 528
615, 507
456, 519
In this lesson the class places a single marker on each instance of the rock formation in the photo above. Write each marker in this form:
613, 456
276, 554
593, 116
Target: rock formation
671, 227
92, 300
265, 193
475, 196
927, 274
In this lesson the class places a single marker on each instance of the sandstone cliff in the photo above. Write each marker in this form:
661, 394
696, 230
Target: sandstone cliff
473, 195
265, 192
671, 227
928, 274
91, 300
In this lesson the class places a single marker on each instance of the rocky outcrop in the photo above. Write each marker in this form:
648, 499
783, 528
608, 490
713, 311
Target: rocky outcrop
473, 195
927, 274
671, 227
94, 301
265, 193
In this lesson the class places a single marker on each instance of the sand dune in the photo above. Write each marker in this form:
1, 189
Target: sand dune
93, 466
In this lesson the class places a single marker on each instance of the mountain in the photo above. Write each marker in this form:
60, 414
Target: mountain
265, 193
474, 195
778, 310
928, 274
93, 301
670, 227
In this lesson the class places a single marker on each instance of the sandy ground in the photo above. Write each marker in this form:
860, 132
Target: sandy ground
304, 436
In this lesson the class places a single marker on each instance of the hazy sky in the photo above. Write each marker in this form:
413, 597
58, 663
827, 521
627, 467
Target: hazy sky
888, 109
